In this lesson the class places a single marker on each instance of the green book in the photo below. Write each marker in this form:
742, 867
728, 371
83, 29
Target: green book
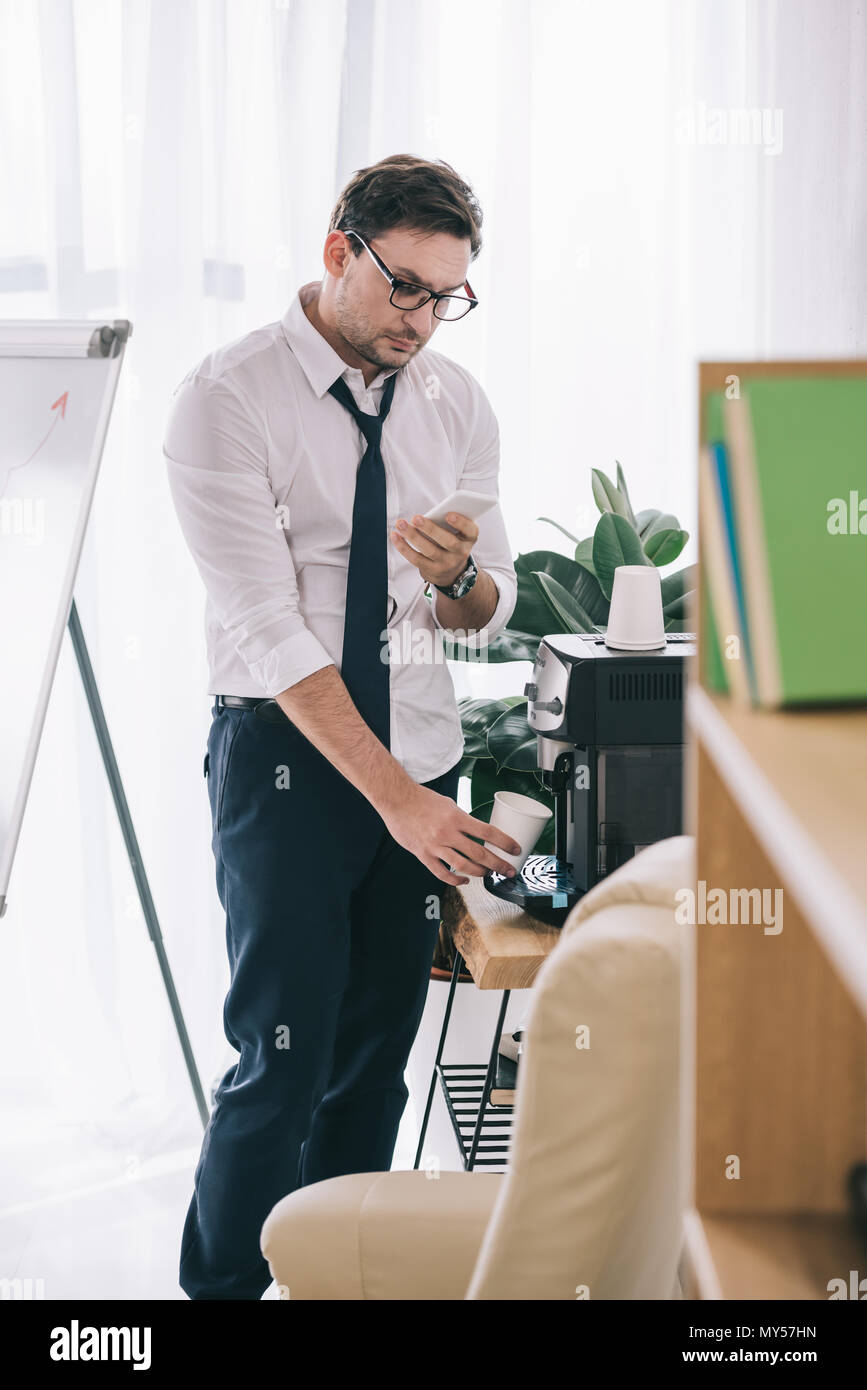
713, 667
797, 452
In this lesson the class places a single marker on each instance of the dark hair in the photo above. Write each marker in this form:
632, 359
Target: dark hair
403, 191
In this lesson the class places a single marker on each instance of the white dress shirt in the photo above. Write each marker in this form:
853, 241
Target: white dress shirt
262, 463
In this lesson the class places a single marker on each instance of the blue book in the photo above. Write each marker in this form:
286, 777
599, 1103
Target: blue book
720, 461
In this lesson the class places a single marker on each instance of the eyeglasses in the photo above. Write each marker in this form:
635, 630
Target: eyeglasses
408, 296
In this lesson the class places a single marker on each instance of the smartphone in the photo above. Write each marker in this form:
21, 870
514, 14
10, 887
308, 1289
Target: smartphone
471, 504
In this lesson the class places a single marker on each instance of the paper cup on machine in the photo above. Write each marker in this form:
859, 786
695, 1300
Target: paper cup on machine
635, 621
522, 818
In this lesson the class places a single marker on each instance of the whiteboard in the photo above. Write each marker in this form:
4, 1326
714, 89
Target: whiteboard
57, 386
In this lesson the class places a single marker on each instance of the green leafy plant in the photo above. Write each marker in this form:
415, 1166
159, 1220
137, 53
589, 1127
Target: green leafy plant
557, 593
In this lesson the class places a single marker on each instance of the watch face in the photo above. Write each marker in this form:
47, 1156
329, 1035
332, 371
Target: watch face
466, 581
463, 583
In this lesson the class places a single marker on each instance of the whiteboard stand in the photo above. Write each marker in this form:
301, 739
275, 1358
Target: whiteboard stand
58, 380
130, 840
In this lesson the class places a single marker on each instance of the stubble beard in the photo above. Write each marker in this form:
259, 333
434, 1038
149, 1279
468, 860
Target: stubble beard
356, 330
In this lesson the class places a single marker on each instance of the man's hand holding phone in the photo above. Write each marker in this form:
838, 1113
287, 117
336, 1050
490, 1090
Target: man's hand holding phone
440, 543
438, 554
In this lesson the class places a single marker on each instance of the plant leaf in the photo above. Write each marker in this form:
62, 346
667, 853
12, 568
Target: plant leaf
576, 579
511, 741
680, 607
644, 520
664, 546
559, 527
674, 586
566, 609
477, 716
621, 488
606, 496
551, 562
587, 593
663, 539
663, 521
508, 645
531, 613
584, 555
615, 543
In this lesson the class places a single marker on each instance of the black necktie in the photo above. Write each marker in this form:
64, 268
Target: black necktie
364, 664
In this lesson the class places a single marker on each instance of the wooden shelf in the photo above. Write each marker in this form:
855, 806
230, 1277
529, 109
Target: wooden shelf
777, 1026
799, 778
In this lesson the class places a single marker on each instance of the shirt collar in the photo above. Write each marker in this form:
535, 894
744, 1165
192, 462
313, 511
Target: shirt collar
319, 361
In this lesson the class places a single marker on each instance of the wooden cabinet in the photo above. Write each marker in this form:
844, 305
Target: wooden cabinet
777, 1020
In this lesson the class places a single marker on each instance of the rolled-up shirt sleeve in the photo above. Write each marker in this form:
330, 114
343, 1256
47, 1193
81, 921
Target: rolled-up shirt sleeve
216, 457
491, 551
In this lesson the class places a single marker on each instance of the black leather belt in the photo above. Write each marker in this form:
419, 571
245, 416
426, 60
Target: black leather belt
266, 709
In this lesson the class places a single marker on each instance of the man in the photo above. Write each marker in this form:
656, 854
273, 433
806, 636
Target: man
302, 458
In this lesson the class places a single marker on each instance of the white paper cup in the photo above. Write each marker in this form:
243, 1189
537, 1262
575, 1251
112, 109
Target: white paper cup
522, 818
635, 621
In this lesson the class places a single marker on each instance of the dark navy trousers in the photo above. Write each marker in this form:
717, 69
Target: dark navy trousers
330, 929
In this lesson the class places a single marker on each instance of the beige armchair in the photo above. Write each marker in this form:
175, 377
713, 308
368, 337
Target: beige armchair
591, 1205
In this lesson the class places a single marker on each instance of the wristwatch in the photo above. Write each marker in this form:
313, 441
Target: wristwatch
462, 584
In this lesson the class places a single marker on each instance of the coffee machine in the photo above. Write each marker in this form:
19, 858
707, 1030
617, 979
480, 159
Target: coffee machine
609, 740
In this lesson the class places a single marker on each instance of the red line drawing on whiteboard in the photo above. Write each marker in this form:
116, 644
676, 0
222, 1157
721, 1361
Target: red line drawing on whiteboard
61, 402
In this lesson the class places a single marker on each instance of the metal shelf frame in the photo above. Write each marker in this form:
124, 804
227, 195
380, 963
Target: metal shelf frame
482, 1130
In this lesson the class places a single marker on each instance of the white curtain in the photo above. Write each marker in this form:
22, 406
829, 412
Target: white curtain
175, 162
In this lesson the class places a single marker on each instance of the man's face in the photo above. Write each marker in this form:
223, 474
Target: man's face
382, 334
